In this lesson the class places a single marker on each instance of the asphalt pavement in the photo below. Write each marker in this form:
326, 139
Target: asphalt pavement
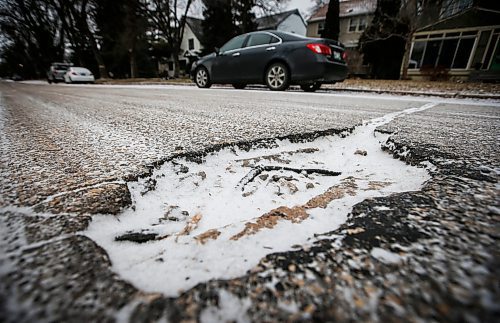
68, 153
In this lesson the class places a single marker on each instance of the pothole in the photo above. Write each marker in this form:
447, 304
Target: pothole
192, 222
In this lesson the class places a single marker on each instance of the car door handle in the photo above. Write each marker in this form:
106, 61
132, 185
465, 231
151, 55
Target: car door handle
236, 54
271, 48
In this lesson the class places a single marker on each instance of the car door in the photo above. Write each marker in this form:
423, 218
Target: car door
259, 50
227, 64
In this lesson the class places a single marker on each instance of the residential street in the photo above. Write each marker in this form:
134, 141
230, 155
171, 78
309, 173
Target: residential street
140, 203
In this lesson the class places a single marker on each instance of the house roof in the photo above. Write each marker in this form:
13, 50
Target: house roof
273, 21
473, 17
347, 8
196, 26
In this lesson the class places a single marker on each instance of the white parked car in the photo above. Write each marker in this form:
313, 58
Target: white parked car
78, 74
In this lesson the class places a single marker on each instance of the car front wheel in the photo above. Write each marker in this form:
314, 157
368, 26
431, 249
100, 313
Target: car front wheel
310, 87
277, 77
202, 79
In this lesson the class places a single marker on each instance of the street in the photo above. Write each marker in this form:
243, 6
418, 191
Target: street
148, 202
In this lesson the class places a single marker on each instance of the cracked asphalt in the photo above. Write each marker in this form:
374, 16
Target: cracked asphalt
66, 153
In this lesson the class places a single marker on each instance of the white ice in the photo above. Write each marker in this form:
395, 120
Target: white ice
179, 262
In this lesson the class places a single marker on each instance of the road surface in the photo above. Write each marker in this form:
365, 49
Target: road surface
71, 155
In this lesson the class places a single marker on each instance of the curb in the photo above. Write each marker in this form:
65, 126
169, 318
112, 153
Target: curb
457, 95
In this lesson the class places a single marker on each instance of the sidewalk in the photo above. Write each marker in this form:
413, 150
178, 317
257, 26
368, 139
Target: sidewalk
399, 87
410, 87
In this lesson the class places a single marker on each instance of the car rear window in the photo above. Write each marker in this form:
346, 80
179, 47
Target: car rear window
261, 39
61, 67
80, 70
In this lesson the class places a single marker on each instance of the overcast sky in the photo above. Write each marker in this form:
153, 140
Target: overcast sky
304, 6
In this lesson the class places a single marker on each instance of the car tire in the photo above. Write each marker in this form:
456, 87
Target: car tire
239, 86
49, 81
310, 87
202, 78
277, 77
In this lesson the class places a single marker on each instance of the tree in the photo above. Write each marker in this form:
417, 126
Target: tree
169, 18
225, 19
383, 41
332, 25
218, 25
32, 37
123, 40
244, 16
415, 14
78, 21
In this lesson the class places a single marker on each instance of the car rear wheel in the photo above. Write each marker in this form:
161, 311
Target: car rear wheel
310, 87
277, 77
202, 79
239, 86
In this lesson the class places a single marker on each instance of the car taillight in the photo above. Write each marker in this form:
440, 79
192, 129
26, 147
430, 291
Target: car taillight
74, 73
320, 49
344, 56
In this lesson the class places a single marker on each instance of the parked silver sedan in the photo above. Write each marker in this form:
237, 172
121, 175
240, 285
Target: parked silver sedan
78, 75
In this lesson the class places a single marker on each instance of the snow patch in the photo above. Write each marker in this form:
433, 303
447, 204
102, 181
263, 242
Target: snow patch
217, 219
386, 256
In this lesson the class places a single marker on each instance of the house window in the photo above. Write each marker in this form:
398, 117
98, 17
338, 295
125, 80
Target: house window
191, 43
445, 51
489, 52
357, 24
353, 23
431, 53
481, 49
362, 24
321, 28
416, 54
448, 49
451, 7
463, 53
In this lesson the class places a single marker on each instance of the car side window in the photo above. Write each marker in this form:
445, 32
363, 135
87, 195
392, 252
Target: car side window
235, 43
259, 39
274, 40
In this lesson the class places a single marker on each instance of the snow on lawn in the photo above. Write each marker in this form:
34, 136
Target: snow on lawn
194, 222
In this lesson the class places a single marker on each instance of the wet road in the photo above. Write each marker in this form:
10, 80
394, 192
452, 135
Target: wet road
58, 138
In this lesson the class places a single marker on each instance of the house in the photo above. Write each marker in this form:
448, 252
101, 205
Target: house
289, 21
463, 42
354, 16
190, 48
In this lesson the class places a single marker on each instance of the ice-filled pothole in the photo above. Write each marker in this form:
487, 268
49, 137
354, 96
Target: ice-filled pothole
194, 222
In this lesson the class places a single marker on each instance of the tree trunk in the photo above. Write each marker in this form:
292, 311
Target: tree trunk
103, 73
406, 57
177, 69
133, 63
